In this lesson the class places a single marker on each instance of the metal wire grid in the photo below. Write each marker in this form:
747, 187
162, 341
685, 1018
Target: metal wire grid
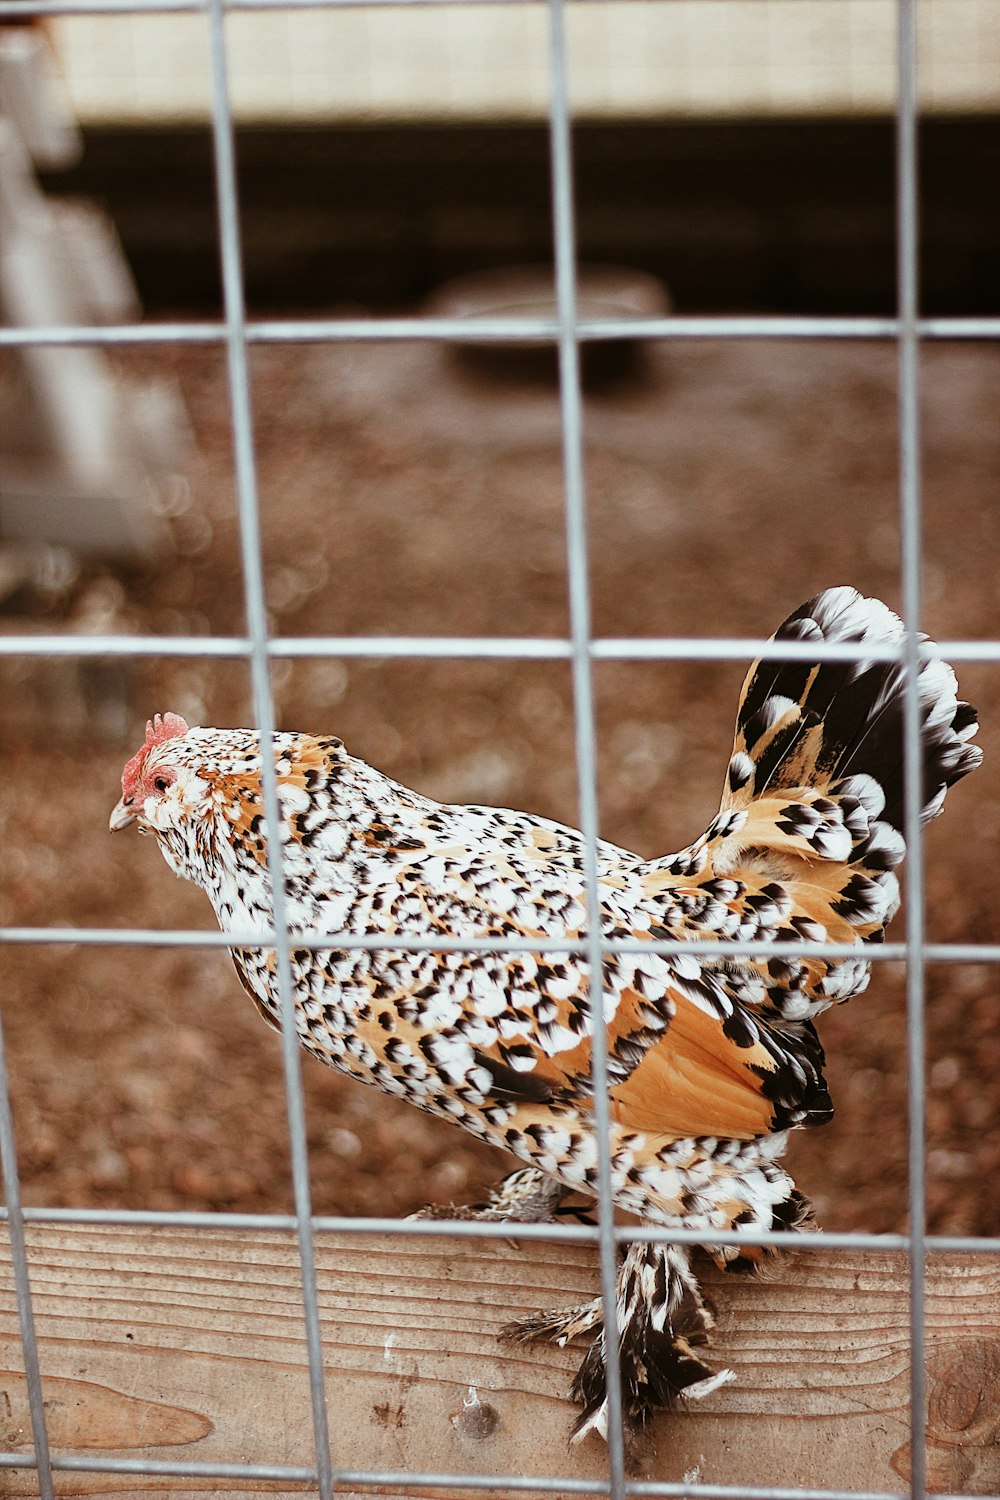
581, 650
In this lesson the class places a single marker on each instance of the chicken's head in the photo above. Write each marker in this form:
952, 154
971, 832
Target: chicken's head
154, 780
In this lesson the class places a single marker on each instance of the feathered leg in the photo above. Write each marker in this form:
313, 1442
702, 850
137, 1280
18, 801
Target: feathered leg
662, 1317
793, 1212
527, 1196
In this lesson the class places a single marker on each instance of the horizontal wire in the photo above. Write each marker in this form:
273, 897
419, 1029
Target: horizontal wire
588, 330
495, 330
165, 1468
21, 8
490, 648
541, 1484
485, 1229
454, 1229
153, 937
460, 647
683, 648
24, 8
394, 942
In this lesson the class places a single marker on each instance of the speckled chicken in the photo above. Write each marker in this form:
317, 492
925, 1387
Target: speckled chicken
711, 1060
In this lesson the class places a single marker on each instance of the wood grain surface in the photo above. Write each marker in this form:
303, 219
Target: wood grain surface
176, 1345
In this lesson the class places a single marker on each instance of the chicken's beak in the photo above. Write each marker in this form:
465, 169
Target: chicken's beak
121, 817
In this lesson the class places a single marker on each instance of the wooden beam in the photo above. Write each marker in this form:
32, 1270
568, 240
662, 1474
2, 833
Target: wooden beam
179, 1345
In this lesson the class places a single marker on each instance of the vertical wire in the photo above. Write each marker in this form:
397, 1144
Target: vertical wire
253, 577
907, 281
22, 1284
583, 694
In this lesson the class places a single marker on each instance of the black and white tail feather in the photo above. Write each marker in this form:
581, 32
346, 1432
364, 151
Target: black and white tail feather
811, 832
826, 724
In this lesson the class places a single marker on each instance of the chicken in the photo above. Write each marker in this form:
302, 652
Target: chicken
711, 1061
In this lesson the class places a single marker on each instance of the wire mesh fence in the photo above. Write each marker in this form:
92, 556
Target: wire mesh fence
235, 332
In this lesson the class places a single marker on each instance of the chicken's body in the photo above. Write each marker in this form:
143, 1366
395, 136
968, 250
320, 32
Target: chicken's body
711, 1062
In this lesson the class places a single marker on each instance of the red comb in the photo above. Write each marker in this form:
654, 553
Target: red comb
158, 729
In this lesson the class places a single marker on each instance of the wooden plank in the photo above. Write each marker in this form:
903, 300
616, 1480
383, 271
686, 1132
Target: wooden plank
175, 1345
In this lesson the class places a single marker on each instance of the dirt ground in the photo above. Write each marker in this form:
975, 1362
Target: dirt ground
403, 493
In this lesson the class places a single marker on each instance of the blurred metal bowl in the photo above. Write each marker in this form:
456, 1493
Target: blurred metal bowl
617, 293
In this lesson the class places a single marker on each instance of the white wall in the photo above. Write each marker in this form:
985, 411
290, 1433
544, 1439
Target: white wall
629, 58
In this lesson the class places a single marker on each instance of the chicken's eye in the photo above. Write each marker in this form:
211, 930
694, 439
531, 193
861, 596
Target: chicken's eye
161, 783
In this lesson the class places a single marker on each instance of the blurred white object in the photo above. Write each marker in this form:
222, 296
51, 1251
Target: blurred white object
76, 468
34, 98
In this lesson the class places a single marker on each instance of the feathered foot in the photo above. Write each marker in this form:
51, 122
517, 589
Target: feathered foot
557, 1327
793, 1212
662, 1317
527, 1196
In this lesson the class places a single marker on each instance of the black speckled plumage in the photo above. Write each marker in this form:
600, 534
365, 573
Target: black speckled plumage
711, 1061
